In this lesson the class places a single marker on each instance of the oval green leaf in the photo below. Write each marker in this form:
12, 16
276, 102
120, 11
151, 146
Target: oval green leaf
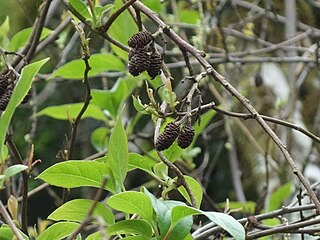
10, 171
132, 202
76, 173
58, 230
195, 188
99, 63
71, 111
133, 226
77, 209
223, 220
21, 38
138, 161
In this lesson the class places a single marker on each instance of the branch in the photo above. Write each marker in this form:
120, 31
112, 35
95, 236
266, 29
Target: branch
211, 228
88, 216
103, 34
84, 107
181, 178
25, 179
10, 222
244, 101
116, 14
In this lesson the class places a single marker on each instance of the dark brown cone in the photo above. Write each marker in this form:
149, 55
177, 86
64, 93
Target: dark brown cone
3, 84
165, 139
140, 39
27, 97
155, 65
186, 136
5, 100
139, 62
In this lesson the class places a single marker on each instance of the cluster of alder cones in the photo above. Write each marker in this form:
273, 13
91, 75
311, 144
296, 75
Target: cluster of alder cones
143, 56
172, 132
6, 89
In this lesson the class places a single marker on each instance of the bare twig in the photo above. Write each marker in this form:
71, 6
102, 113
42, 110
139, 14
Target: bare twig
181, 178
88, 216
116, 14
25, 179
10, 222
211, 228
87, 99
103, 34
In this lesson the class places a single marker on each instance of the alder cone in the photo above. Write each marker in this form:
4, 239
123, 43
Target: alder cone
5, 100
154, 68
186, 136
3, 84
140, 39
139, 62
165, 139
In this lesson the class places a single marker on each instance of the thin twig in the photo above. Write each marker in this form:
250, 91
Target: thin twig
181, 178
103, 34
211, 229
25, 179
88, 216
10, 222
116, 14
84, 107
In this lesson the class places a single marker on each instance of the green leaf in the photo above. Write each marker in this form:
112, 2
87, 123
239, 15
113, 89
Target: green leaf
138, 161
138, 105
279, 195
161, 170
153, 5
118, 154
127, 26
195, 188
99, 63
132, 202
58, 231
223, 220
7, 234
78, 173
22, 87
101, 11
95, 236
99, 138
81, 8
133, 226
205, 119
10, 171
4, 30
71, 111
163, 214
112, 100
20, 38
189, 16
77, 209
137, 237
173, 153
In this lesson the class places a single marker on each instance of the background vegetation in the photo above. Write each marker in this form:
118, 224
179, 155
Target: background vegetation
245, 74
